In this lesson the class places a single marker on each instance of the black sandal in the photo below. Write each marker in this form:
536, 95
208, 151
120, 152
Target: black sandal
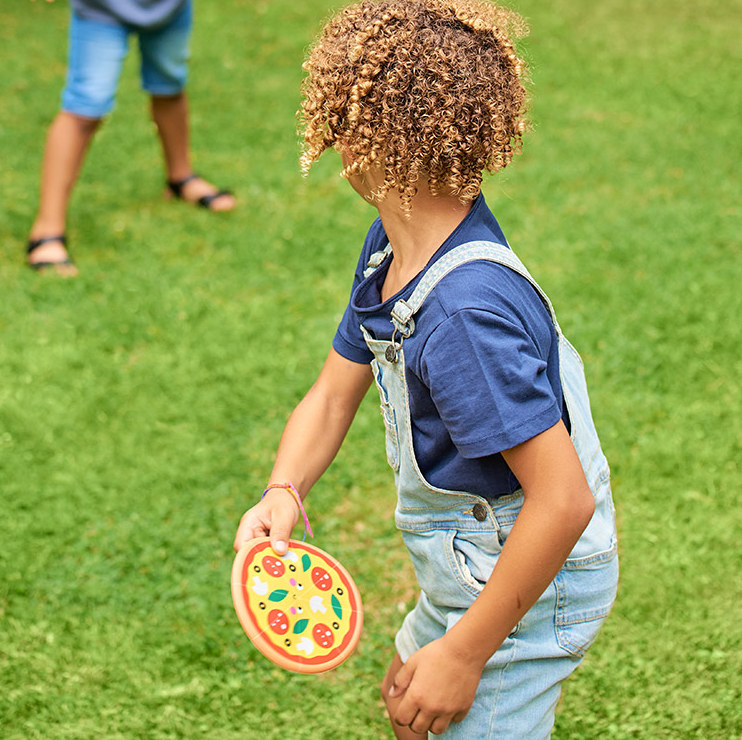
205, 201
34, 244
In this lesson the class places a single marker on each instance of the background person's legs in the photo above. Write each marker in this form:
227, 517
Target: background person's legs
170, 114
67, 142
164, 73
95, 57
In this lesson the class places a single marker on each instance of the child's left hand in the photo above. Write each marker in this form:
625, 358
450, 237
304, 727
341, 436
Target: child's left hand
437, 686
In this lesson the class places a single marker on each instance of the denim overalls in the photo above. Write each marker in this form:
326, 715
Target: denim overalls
455, 537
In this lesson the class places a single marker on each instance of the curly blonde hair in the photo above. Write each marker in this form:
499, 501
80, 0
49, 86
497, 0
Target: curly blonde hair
423, 88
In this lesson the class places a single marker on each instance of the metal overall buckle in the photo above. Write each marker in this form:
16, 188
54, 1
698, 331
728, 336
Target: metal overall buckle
392, 351
404, 325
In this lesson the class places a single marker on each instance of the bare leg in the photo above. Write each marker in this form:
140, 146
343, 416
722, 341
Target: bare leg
170, 114
66, 145
401, 733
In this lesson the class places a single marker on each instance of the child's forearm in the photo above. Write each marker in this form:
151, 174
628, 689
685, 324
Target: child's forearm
318, 425
441, 679
310, 441
557, 506
539, 543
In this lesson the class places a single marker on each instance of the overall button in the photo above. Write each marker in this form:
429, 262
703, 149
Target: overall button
480, 512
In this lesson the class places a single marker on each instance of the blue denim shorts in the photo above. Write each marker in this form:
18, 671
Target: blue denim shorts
521, 682
96, 55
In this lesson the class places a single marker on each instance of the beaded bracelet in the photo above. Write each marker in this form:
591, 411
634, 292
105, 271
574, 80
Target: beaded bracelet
290, 488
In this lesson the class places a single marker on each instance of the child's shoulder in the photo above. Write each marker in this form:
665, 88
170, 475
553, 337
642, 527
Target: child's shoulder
481, 309
484, 302
484, 285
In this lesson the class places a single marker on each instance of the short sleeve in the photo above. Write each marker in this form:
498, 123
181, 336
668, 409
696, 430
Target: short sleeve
348, 341
488, 382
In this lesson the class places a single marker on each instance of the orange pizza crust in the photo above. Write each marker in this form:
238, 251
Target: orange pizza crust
302, 610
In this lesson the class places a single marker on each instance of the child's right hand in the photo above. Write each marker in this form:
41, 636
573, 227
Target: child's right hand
274, 516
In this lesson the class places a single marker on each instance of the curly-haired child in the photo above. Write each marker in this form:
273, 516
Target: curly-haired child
504, 497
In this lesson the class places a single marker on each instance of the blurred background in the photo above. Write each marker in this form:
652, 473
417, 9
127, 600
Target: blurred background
141, 402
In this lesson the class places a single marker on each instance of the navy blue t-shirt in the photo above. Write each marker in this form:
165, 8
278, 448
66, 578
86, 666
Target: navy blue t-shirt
482, 365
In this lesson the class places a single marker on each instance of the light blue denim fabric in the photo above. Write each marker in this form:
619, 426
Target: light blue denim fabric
455, 539
96, 55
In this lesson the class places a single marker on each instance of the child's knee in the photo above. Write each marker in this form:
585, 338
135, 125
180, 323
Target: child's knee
89, 99
86, 125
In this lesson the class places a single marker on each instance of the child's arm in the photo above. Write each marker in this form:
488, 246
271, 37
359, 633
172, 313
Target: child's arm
438, 683
313, 435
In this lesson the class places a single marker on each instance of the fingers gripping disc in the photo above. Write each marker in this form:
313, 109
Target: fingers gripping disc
302, 610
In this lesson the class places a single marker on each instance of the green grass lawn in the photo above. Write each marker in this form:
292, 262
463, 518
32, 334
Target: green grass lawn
140, 403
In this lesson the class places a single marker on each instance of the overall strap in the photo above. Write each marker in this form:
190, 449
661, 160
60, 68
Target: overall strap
403, 311
375, 260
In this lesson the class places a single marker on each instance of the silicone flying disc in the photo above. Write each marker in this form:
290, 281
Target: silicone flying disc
301, 610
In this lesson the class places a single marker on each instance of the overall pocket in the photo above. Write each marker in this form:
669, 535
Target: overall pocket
392, 435
390, 419
442, 570
584, 597
474, 553
472, 557
599, 540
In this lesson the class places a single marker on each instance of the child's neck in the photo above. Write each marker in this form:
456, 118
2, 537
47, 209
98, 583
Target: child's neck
415, 237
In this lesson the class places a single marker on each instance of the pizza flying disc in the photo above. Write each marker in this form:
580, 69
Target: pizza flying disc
301, 610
